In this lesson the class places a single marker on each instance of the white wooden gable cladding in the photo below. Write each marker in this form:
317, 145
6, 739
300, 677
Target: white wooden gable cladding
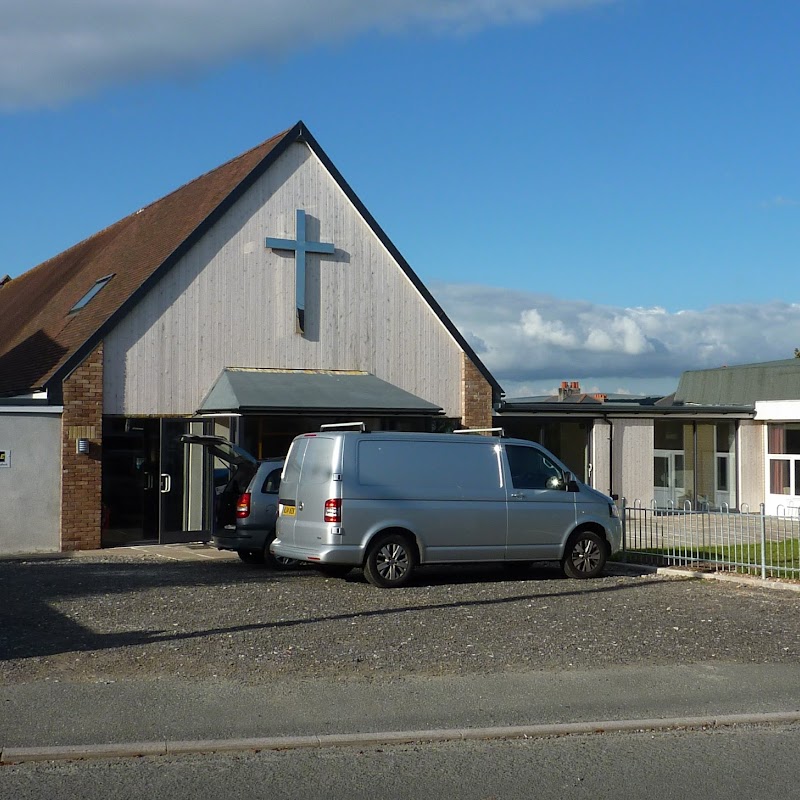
230, 302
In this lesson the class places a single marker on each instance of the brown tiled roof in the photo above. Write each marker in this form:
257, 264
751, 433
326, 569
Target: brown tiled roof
39, 335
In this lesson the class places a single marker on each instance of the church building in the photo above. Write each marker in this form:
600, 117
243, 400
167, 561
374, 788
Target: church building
256, 302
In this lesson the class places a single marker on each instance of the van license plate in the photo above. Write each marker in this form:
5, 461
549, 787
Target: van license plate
289, 511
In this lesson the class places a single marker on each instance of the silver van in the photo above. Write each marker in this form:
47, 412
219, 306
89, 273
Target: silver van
388, 502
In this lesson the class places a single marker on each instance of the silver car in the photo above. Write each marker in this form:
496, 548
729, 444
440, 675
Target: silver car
246, 502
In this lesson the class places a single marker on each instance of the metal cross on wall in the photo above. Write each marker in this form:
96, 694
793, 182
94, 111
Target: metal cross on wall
300, 247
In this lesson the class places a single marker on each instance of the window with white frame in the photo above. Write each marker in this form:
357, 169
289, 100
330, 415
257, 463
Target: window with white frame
783, 448
695, 463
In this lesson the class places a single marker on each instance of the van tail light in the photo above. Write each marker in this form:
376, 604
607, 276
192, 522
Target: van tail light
333, 510
243, 506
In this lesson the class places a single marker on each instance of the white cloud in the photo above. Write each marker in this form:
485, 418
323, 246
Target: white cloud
620, 334
542, 332
531, 342
52, 51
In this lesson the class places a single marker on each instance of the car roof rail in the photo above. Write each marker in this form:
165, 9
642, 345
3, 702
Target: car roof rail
359, 426
492, 431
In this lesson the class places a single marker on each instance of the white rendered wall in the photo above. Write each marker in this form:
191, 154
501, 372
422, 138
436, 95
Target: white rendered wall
751, 464
633, 459
30, 486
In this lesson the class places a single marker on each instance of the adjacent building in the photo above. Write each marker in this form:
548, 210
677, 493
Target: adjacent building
728, 438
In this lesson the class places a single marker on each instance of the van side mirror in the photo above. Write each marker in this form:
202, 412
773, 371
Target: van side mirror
572, 484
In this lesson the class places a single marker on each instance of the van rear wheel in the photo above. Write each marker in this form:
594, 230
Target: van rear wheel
390, 561
585, 555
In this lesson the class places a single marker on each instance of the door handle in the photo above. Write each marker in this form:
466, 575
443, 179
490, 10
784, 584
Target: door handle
517, 495
166, 483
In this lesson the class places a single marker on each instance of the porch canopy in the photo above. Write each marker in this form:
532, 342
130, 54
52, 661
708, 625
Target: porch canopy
273, 391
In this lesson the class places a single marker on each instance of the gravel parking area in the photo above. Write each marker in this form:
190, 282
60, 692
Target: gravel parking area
121, 614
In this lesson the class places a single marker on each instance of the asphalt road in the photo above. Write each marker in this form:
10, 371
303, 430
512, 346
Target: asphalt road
126, 646
712, 764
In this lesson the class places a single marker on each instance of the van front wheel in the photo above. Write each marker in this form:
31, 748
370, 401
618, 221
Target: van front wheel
390, 561
585, 555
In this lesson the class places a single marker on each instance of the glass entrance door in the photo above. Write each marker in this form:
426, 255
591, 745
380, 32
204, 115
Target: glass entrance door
184, 485
669, 489
155, 488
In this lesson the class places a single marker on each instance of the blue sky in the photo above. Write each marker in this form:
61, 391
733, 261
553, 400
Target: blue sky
603, 190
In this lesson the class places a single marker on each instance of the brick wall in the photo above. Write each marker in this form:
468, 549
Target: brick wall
81, 495
476, 398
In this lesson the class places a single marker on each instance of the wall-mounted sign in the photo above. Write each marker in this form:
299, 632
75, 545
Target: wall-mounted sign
5, 458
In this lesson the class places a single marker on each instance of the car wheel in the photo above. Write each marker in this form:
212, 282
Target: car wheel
251, 556
585, 555
333, 570
390, 561
280, 562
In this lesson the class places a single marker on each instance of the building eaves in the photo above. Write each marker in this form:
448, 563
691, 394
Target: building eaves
312, 391
611, 410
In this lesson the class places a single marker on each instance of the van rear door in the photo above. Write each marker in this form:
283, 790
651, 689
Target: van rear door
541, 513
306, 486
287, 497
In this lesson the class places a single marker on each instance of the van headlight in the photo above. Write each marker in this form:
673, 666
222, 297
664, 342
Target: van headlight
613, 510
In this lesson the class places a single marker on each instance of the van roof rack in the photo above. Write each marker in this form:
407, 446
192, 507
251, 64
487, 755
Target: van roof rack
493, 431
359, 426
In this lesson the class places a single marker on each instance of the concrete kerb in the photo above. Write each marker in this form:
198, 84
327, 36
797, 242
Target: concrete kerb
726, 577
17, 755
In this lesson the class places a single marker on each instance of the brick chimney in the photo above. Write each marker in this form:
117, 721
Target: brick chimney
568, 389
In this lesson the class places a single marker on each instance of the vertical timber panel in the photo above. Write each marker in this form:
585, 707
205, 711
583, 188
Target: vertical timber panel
230, 302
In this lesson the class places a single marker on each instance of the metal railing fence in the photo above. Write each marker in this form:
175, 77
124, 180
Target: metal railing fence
738, 541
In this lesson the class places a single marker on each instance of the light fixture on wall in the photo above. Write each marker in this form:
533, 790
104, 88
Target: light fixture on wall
82, 446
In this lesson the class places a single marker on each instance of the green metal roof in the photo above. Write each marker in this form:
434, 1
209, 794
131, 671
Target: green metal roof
741, 385
298, 391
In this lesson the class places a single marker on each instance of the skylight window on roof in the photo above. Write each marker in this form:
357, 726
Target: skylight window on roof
91, 293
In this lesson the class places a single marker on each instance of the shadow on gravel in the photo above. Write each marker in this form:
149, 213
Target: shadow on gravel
494, 601
30, 626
